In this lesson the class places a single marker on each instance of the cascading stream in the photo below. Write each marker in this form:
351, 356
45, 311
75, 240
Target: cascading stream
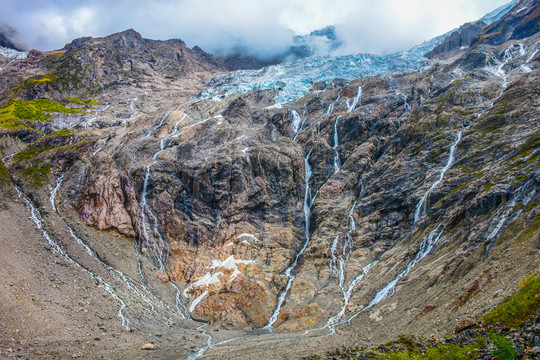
139, 289
297, 123
425, 248
160, 124
421, 208
357, 99
497, 68
151, 235
35, 215
308, 201
336, 319
343, 259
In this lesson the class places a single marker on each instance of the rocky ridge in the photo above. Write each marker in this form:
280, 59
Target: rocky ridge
385, 202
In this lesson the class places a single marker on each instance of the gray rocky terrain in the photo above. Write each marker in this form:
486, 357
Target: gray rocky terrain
137, 215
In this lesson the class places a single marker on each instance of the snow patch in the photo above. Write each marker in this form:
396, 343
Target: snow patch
214, 277
197, 301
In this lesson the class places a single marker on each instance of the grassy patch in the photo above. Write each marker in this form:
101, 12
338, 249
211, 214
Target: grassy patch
520, 306
40, 79
503, 347
35, 166
36, 174
29, 154
79, 101
13, 125
38, 109
62, 132
444, 352
4, 174
487, 131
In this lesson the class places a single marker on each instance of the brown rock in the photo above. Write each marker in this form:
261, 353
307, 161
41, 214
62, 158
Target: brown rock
148, 346
162, 276
106, 200
464, 324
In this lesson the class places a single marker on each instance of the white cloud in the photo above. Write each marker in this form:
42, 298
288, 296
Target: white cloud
264, 27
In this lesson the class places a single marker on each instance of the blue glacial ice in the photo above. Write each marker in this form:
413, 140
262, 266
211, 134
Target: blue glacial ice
294, 79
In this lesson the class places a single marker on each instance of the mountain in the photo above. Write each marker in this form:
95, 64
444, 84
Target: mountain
458, 41
518, 23
155, 205
87, 66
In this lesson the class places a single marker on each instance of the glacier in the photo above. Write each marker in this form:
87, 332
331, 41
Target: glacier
296, 78
13, 54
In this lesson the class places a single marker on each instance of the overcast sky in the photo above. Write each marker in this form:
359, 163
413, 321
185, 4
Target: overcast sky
263, 27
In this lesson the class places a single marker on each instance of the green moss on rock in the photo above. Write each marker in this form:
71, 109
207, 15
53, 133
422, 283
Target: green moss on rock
520, 306
4, 174
38, 109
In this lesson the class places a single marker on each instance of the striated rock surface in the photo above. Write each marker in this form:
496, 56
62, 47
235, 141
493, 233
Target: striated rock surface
518, 23
458, 41
384, 202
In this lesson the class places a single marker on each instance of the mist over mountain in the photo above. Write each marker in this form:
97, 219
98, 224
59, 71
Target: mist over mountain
312, 204
265, 30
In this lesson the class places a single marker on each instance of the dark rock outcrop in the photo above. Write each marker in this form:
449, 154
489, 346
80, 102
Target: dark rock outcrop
458, 41
522, 21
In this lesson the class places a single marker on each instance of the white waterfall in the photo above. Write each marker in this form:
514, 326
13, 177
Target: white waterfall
351, 107
337, 164
425, 248
308, 201
151, 236
421, 208
139, 289
330, 109
335, 320
342, 259
55, 191
297, 123
35, 215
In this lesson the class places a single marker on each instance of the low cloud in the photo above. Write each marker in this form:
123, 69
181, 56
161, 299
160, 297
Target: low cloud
261, 28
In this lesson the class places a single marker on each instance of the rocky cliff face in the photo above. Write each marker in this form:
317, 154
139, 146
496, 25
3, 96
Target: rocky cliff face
386, 201
519, 23
89, 66
458, 41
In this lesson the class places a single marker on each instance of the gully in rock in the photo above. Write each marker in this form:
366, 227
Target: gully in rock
36, 218
421, 208
150, 235
426, 245
138, 289
337, 164
509, 212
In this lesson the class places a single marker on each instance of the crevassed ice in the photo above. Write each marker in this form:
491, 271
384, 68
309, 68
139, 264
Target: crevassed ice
294, 79
13, 54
